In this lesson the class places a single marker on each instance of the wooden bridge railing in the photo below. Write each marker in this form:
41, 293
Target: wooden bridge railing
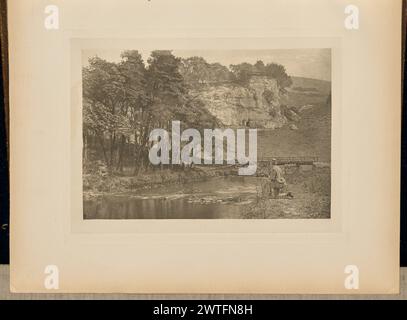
290, 160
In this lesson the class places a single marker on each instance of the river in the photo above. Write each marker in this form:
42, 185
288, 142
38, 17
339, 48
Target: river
216, 198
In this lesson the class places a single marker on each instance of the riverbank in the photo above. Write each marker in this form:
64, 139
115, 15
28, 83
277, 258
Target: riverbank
312, 198
96, 185
207, 193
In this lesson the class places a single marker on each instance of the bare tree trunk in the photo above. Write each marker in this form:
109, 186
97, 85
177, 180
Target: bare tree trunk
112, 147
121, 151
102, 144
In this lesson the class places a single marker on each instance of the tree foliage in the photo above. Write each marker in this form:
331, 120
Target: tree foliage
196, 71
244, 71
124, 101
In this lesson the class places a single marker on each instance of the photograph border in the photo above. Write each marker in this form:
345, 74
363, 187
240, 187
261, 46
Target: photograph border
335, 224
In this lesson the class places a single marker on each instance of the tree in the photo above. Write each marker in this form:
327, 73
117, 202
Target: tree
259, 66
165, 85
219, 73
278, 72
242, 72
104, 95
136, 107
195, 70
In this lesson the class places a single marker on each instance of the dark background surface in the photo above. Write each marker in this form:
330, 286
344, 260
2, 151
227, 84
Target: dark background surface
4, 188
4, 177
4, 180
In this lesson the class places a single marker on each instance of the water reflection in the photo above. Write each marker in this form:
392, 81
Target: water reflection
221, 198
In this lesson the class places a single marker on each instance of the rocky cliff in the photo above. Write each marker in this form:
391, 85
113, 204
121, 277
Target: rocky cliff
257, 104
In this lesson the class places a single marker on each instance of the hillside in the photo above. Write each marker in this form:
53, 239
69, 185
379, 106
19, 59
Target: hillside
320, 85
306, 91
312, 136
297, 123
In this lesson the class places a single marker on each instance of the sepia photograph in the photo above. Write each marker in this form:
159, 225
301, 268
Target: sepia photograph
206, 134
198, 150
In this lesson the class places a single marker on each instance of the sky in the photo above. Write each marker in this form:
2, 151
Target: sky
308, 63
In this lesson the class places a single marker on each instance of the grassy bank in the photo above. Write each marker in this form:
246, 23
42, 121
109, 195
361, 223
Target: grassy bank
96, 184
311, 191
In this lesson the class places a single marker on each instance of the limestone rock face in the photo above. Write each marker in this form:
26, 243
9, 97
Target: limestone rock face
256, 105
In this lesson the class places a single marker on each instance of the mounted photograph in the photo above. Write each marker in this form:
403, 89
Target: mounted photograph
198, 148
206, 134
